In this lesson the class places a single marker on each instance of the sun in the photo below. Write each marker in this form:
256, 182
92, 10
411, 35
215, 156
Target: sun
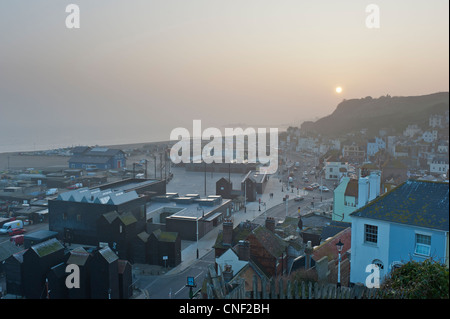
338, 89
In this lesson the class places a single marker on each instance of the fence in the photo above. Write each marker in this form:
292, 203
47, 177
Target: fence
288, 289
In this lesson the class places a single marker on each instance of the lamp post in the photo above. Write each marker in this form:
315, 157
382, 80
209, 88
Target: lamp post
339, 246
203, 214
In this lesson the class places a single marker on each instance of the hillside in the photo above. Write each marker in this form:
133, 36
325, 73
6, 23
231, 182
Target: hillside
394, 113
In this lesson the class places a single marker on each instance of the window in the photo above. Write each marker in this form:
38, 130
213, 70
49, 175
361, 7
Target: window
423, 245
370, 234
379, 263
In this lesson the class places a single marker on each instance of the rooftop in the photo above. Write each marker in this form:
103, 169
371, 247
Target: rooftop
415, 203
115, 194
185, 207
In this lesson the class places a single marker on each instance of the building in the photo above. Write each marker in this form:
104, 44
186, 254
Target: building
430, 137
335, 169
353, 153
97, 158
164, 248
125, 279
411, 222
187, 214
104, 274
37, 262
436, 120
80, 257
411, 130
352, 194
439, 165
75, 214
375, 145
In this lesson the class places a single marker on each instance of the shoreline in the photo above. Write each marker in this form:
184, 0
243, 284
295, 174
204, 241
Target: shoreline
26, 159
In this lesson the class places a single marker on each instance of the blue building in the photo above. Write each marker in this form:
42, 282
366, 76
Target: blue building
97, 158
410, 222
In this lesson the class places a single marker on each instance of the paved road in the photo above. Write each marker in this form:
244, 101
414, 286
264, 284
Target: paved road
173, 286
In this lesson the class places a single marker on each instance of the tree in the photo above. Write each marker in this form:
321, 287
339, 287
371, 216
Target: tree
418, 280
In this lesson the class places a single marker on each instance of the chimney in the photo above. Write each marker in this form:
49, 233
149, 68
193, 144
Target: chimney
244, 250
227, 273
270, 224
374, 185
308, 253
227, 235
363, 191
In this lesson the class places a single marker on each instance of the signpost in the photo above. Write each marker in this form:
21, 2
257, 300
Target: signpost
191, 284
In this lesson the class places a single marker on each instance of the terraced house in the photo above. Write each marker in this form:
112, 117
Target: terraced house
410, 222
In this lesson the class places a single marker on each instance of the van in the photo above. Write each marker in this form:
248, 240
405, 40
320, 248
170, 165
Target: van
10, 225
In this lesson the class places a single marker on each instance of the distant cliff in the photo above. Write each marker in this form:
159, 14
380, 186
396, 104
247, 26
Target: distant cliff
394, 113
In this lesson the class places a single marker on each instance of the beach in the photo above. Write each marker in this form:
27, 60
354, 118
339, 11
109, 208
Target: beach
25, 160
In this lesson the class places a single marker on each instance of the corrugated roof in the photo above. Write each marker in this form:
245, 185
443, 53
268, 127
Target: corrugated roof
416, 203
7, 249
78, 256
108, 254
127, 218
165, 236
143, 236
47, 247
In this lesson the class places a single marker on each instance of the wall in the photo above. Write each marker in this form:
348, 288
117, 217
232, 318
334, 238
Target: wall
363, 254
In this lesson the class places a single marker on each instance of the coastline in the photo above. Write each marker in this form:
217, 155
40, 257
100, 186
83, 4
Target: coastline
14, 160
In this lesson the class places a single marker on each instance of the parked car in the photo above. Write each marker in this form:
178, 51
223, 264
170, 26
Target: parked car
17, 239
16, 231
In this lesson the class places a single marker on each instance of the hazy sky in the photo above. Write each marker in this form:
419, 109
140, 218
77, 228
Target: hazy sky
140, 68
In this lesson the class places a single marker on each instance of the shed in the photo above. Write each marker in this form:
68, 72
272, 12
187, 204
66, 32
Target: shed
37, 261
125, 279
104, 276
80, 257
13, 267
57, 282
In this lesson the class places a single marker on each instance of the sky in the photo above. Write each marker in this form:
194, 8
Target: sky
137, 69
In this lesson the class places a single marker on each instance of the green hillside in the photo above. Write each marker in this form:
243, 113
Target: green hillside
394, 113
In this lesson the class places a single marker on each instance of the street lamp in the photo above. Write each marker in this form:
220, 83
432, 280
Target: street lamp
203, 215
339, 246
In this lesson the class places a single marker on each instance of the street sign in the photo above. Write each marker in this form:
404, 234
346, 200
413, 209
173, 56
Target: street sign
191, 282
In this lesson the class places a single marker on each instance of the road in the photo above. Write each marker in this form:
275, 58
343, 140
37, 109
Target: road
173, 286
28, 229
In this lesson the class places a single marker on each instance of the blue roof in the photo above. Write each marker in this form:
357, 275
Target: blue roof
416, 203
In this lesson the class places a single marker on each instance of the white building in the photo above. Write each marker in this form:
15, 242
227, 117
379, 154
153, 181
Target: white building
306, 144
335, 170
375, 145
430, 137
439, 165
411, 130
435, 120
